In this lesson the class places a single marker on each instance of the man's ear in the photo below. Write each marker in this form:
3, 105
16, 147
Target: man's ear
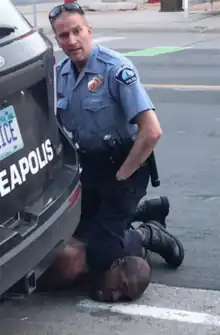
57, 40
90, 28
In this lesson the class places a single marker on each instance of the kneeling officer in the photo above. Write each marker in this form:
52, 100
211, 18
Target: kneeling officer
99, 93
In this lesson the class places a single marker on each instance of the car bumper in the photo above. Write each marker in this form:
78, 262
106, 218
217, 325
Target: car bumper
27, 261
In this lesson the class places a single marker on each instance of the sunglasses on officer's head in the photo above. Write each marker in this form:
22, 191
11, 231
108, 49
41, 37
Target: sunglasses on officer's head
68, 7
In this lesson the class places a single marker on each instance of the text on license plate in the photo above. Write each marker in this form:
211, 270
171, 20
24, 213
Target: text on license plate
10, 135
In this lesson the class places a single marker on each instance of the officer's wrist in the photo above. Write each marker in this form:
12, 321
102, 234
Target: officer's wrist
125, 172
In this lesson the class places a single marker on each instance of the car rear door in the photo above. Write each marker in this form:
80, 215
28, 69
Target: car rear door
30, 147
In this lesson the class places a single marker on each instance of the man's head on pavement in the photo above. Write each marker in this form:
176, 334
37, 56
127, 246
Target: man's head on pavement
126, 280
72, 31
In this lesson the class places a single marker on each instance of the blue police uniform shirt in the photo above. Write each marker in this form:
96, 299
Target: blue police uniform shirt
103, 99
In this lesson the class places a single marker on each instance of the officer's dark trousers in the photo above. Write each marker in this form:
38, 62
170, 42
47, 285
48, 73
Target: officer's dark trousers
107, 210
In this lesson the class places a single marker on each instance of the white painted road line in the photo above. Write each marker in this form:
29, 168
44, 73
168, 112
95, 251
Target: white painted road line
108, 38
190, 306
183, 87
167, 314
102, 39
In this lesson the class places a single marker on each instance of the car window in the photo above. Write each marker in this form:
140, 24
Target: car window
12, 23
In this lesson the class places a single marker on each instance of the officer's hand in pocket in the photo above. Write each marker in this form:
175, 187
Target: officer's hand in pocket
124, 173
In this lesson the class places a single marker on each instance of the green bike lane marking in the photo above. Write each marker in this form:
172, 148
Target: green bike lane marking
154, 51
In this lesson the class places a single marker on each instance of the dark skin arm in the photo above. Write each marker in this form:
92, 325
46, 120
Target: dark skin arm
69, 265
148, 135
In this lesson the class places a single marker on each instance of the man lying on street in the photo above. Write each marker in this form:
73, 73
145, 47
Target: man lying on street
127, 277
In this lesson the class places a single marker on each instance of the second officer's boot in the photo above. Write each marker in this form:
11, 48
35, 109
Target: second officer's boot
152, 209
157, 239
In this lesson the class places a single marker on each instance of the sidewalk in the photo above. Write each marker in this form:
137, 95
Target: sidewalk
147, 18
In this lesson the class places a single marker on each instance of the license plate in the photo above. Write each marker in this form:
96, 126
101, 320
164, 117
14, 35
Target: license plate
10, 135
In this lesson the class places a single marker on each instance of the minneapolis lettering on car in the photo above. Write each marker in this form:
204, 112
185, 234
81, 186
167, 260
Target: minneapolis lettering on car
32, 164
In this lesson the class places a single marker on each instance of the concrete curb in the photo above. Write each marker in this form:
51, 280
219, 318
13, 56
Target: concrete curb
149, 30
112, 7
173, 29
95, 6
163, 30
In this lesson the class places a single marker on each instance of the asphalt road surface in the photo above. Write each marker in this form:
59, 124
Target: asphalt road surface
30, 2
181, 87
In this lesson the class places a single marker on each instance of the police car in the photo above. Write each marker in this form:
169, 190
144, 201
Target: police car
40, 194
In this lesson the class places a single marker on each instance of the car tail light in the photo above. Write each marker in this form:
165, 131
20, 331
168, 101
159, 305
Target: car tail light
31, 32
75, 195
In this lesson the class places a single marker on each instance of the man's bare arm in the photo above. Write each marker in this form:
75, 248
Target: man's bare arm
68, 266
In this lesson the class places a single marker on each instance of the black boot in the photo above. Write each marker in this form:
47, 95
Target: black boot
157, 239
152, 209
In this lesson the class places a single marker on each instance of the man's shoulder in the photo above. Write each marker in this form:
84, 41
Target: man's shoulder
111, 57
62, 64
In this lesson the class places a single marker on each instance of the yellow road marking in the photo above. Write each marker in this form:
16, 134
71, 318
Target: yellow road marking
187, 87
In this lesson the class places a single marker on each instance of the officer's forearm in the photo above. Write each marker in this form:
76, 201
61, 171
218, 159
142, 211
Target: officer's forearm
140, 151
145, 143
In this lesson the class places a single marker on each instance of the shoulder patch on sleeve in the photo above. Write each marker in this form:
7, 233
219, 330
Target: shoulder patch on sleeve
125, 75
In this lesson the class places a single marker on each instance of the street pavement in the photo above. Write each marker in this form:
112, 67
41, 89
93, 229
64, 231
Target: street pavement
185, 301
146, 20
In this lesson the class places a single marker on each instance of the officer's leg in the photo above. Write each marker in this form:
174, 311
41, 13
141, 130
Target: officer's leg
133, 245
91, 202
119, 203
154, 237
156, 208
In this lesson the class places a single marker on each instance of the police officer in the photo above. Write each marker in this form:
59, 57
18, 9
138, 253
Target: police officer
99, 98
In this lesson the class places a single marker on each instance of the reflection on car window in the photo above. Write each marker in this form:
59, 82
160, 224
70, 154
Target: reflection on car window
11, 18
6, 30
